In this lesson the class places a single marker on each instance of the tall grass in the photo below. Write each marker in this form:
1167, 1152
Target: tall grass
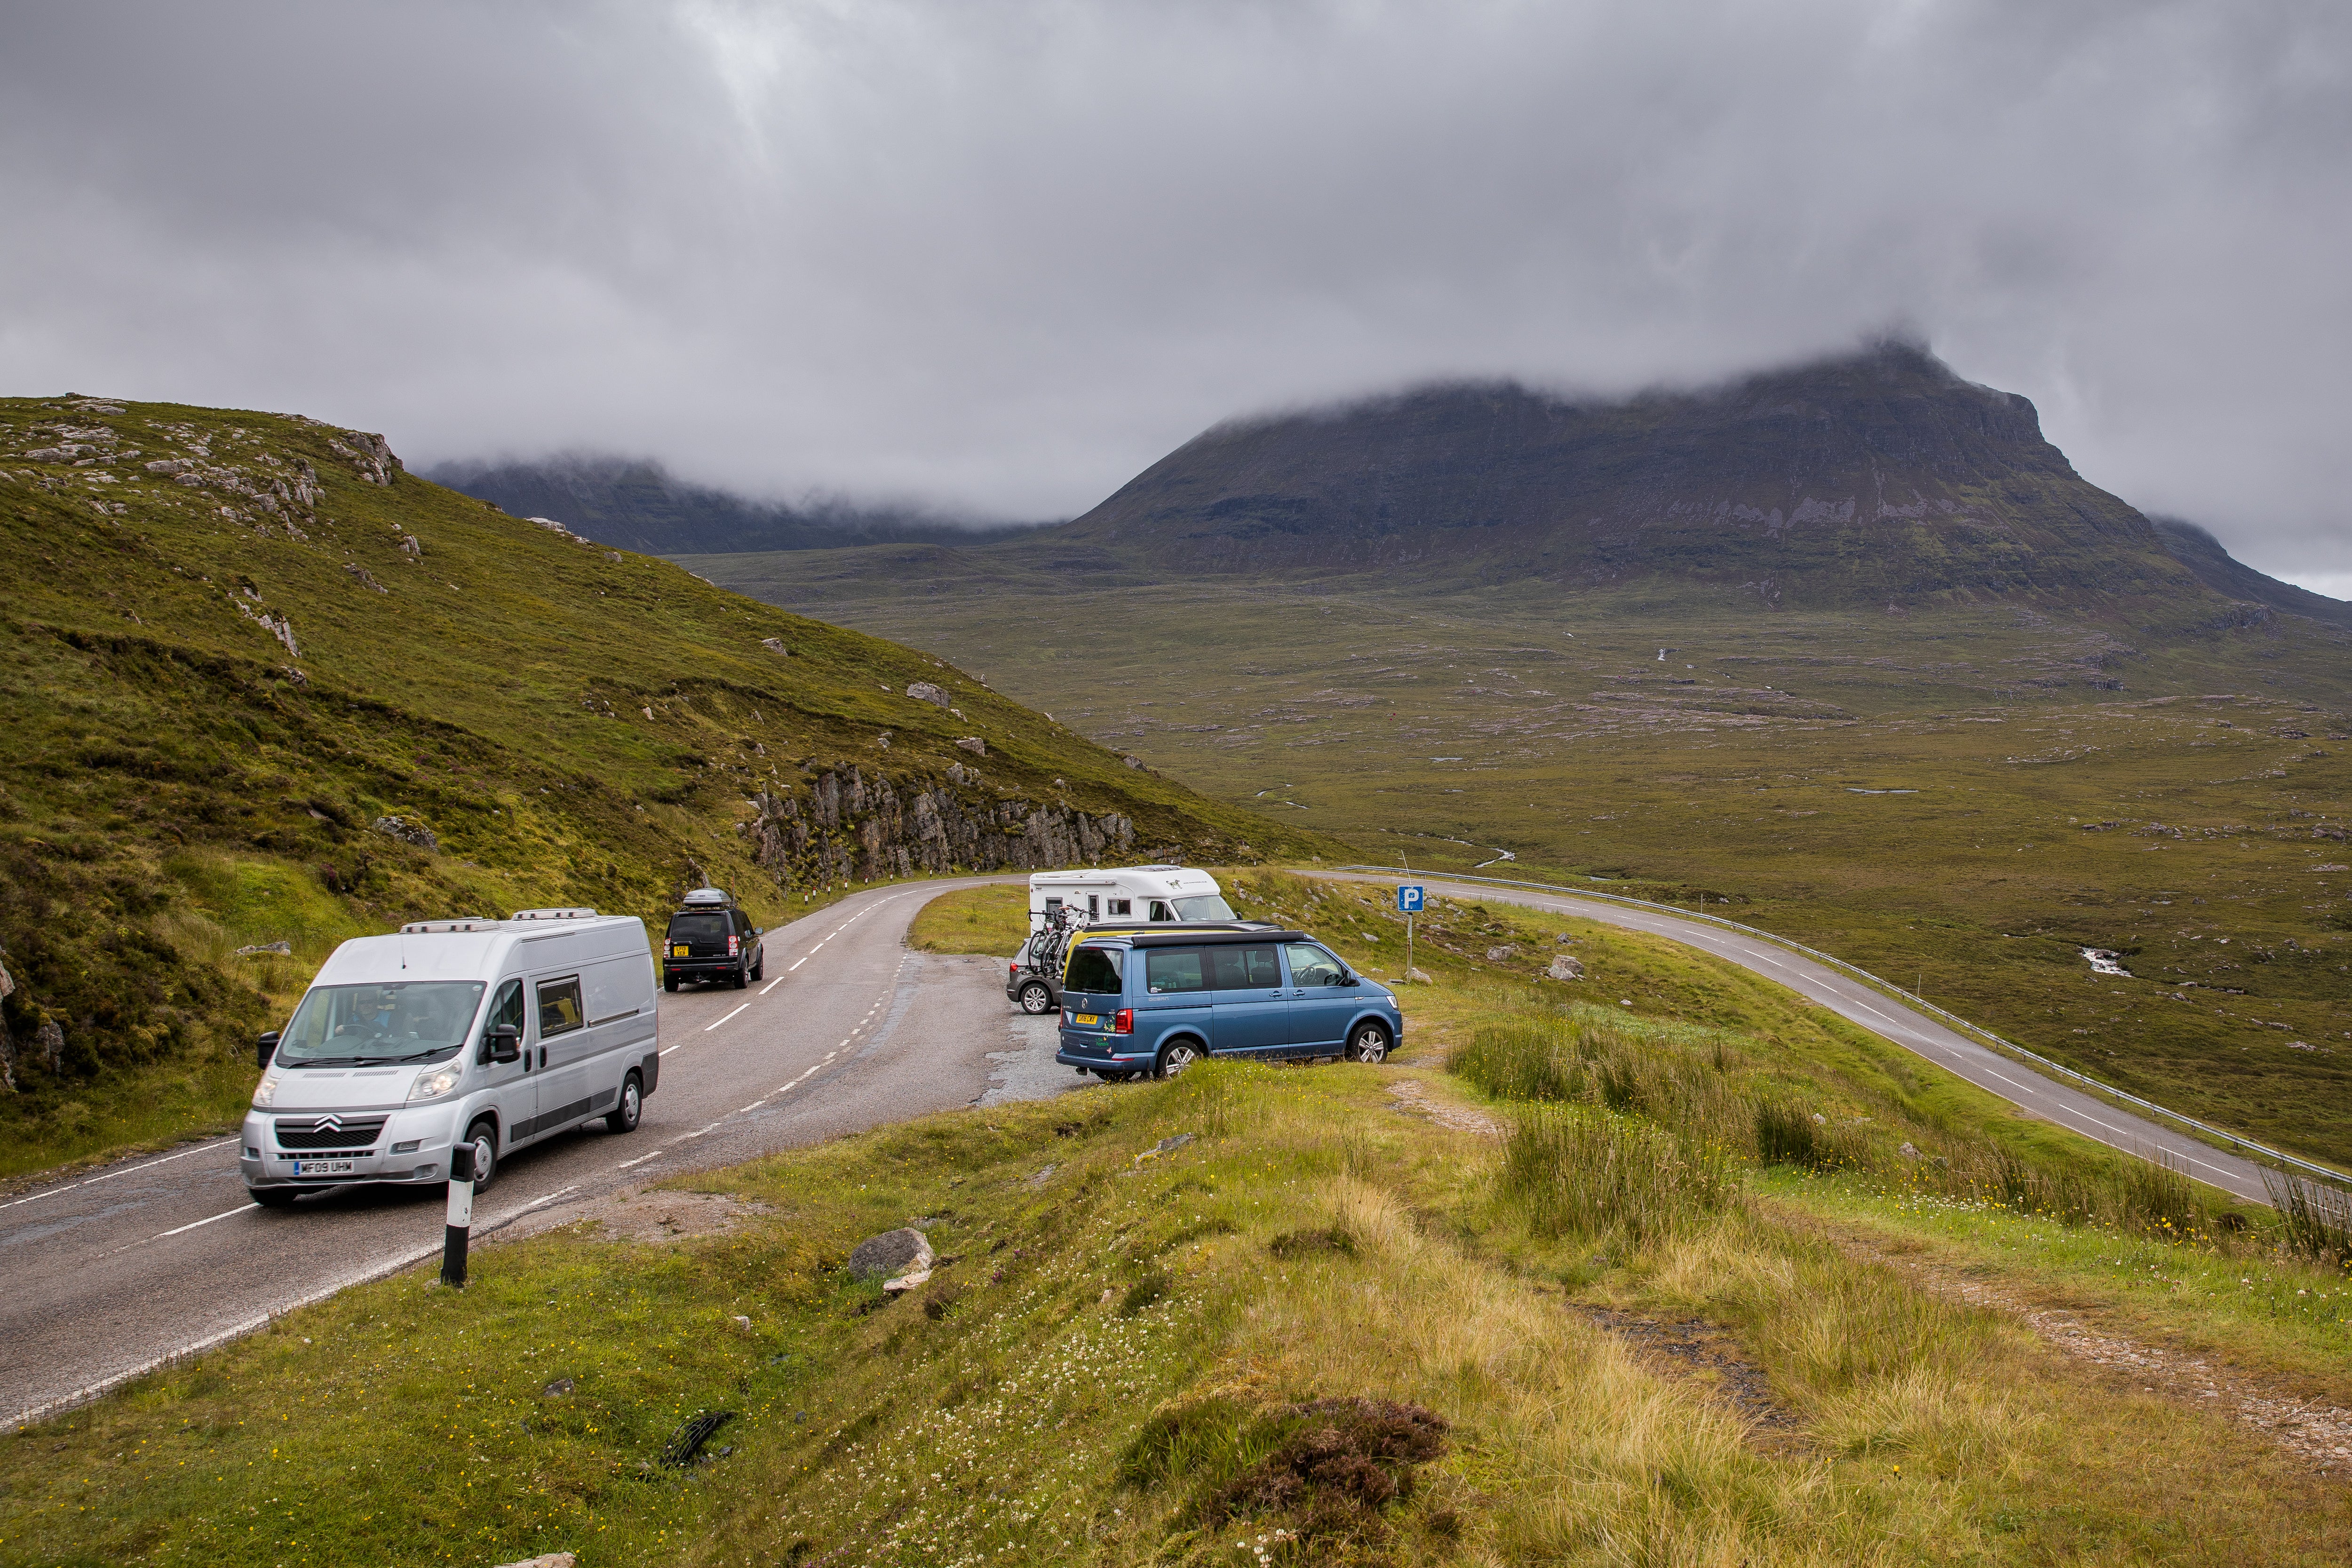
1574, 1170
2315, 1222
1702, 1095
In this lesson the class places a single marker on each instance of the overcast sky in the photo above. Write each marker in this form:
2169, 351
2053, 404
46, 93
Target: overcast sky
1000, 256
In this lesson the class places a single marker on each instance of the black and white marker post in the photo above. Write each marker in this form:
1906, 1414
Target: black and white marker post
461, 1215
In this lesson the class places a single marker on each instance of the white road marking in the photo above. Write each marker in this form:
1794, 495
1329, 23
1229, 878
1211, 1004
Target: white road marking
798, 962
224, 1214
128, 1170
550, 1198
772, 985
708, 1027
639, 1160
700, 1130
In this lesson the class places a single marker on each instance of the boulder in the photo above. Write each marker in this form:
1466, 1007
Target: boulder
552, 1560
409, 832
776, 646
1565, 968
263, 949
1497, 955
903, 1251
1132, 762
924, 691
1418, 977
974, 744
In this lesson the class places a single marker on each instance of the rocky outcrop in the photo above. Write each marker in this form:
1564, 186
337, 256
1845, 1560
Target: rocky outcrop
846, 826
925, 691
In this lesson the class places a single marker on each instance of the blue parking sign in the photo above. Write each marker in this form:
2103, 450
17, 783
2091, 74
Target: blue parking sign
1409, 898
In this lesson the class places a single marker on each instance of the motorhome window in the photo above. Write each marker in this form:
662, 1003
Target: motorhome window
505, 1012
403, 1021
1167, 969
1310, 965
560, 1012
1122, 906
1095, 971
1207, 907
1160, 911
1247, 968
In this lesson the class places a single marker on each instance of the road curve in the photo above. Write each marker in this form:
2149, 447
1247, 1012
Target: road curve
1889, 1019
118, 1269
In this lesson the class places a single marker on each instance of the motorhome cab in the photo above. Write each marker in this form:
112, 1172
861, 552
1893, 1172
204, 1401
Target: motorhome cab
499, 1033
1142, 894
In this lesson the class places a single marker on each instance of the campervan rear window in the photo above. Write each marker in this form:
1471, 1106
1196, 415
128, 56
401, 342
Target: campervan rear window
1095, 971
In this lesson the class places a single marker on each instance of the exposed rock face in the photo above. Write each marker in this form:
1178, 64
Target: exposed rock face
1565, 968
974, 744
924, 691
848, 826
892, 1252
407, 832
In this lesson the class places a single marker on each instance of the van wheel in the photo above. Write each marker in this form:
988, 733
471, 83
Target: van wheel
1369, 1043
1176, 1058
622, 1118
484, 1136
1037, 997
273, 1197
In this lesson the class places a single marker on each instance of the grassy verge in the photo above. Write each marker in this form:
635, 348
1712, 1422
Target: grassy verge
993, 920
1323, 1326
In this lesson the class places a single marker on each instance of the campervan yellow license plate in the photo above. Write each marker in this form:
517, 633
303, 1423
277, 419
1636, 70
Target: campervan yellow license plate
1089, 1018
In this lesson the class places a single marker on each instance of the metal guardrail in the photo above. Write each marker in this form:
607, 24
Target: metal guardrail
2236, 1144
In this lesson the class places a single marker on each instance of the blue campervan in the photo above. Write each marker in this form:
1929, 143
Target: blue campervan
1158, 1002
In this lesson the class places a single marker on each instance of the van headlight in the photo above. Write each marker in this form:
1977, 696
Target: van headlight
433, 1085
264, 1093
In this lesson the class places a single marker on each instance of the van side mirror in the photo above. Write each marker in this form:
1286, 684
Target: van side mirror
506, 1044
266, 1049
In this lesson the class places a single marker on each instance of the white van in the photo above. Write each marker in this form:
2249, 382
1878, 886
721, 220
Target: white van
494, 1032
1139, 893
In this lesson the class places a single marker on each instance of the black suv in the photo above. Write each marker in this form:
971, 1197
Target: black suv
710, 939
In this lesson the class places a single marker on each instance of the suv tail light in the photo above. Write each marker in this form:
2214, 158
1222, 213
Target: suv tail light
1123, 1022
734, 945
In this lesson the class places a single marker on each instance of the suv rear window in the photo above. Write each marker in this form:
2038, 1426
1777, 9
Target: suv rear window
1095, 971
697, 928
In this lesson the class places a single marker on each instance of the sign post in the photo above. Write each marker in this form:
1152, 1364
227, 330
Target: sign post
1409, 898
460, 1219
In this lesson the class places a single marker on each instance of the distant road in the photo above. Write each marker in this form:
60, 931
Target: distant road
113, 1270
1883, 1016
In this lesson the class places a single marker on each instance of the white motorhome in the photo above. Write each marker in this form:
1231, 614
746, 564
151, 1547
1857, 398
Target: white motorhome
1140, 893
498, 1033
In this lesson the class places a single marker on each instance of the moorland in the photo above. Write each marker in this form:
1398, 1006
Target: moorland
1850, 649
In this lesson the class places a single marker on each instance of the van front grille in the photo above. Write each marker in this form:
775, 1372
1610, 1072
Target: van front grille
328, 1133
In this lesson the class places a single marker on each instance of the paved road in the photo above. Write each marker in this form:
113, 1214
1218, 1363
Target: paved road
1914, 1031
115, 1269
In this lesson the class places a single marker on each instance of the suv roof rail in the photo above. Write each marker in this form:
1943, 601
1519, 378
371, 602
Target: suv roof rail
573, 914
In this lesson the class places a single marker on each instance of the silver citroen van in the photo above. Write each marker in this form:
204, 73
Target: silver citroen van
496, 1033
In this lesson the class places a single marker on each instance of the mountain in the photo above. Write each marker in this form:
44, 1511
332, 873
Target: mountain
263, 688
636, 504
1874, 479
2203, 554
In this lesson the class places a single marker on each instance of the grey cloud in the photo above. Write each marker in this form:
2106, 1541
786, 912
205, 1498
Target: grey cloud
1002, 256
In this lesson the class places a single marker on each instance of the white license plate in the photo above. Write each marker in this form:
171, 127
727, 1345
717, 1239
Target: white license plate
1089, 1018
324, 1167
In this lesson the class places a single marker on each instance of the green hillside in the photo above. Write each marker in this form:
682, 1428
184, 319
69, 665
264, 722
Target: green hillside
263, 686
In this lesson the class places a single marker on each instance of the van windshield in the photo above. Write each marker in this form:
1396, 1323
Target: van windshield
1207, 907
360, 1026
